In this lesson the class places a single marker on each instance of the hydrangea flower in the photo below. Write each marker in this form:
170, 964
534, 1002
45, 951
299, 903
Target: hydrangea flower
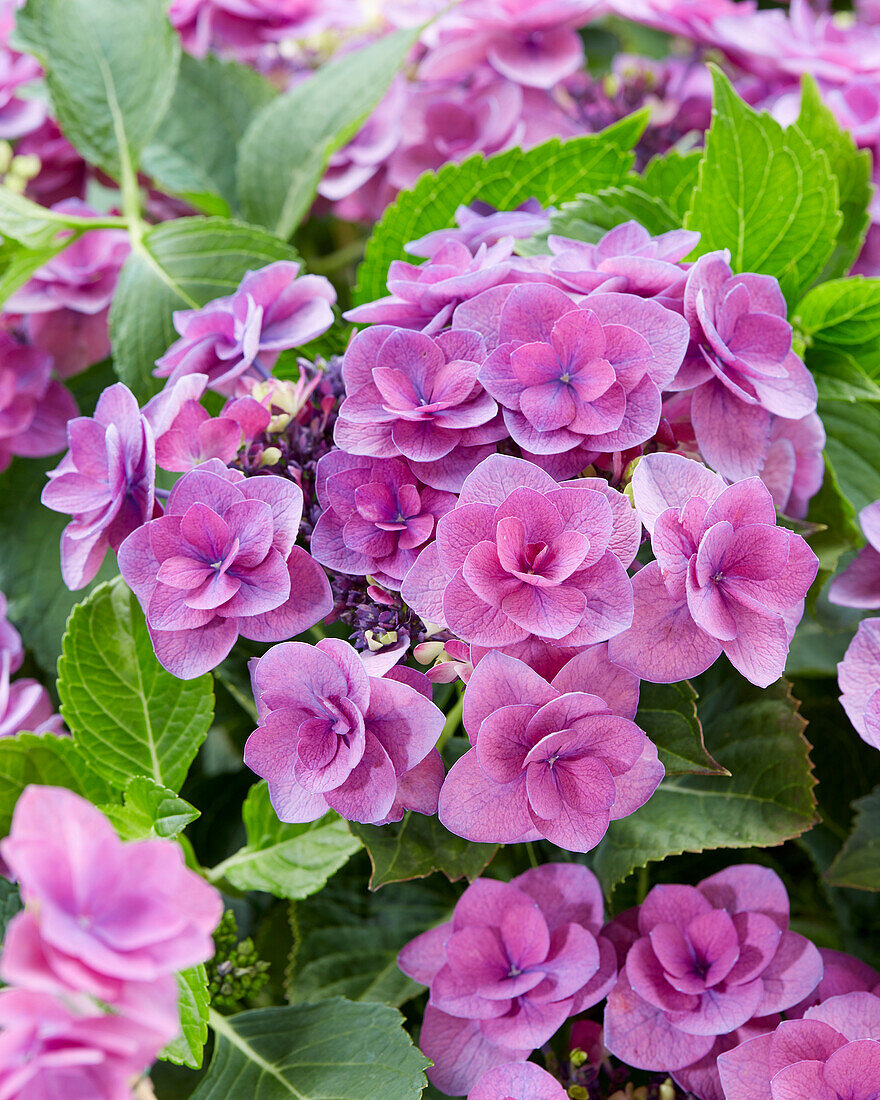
242, 27
517, 1081
106, 481
705, 962
222, 561
516, 960
549, 760
333, 737
833, 1053
19, 115
34, 407
794, 468
859, 584
588, 376
11, 648
726, 578
841, 973
25, 705
377, 516
522, 555
859, 677
480, 224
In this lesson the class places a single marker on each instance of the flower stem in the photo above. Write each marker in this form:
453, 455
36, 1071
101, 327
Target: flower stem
453, 721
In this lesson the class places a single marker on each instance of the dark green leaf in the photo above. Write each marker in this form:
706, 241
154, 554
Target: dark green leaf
858, 863
668, 714
853, 448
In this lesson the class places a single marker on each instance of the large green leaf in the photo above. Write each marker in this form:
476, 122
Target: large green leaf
149, 811
38, 226
668, 714
768, 798
418, 845
127, 713
552, 173
299, 131
858, 863
290, 861
193, 1003
853, 448
765, 193
181, 264
335, 1050
841, 312
110, 69
673, 178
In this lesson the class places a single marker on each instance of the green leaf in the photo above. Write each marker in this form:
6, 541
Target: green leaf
335, 1049
850, 165
858, 862
416, 846
193, 1003
552, 173
853, 448
110, 69
18, 263
149, 810
191, 155
668, 714
843, 311
768, 798
672, 178
765, 193
299, 131
46, 760
10, 904
37, 227
181, 264
127, 713
591, 216
290, 861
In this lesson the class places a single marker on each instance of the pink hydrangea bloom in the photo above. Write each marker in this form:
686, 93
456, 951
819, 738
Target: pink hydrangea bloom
18, 115
63, 175
725, 579
222, 561
522, 555
333, 737
549, 759
841, 973
25, 705
243, 27
480, 224
706, 961
833, 1053
101, 917
106, 481
516, 960
274, 308
34, 407
694, 19
377, 516
859, 584
859, 677
584, 377
517, 1081
794, 468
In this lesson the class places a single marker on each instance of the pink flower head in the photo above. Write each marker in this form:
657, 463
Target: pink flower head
742, 363
794, 468
25, 705
833, 1053
377, 516
859, 677
841, 974
522, 555
333, 737
549, 759
11, 648
99, 914
725, 579
516, 960
517, 1081
480, 224
274, 308
63, 172
243, 27
425, 295
106, 481
706, 961
18, 115
34, 407
416, 396
584, 377
222, 561
859, 584
627, 258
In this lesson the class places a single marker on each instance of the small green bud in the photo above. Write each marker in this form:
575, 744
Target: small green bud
578, 1057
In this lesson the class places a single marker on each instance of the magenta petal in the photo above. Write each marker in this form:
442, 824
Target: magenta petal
477, 808
500, 681
801, 1080
794, 971
745, 1071
525, 1080
475, 621
460, 1051
190, 653
368, 793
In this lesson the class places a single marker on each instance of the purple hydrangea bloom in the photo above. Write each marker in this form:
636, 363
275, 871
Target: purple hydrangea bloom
725, 579
833, 1053
517, 1081
584, 377
106, 481
794, 468
841, 973
222, 561
706, 961
549, 759
274, 308
859, 677
522, 555
34, 407
25, 705
243, 27
480, 224
859, 584
516, 960
377, 516
18, 115
333, 737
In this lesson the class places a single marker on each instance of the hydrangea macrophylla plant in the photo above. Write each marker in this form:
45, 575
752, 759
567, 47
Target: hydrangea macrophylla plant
220, 562
34, 407
704, 963
859, 584
516, 960
725, 579
517, 1081
333, 737
549, 759
521, 555
106, 481
833, 1053
859, 677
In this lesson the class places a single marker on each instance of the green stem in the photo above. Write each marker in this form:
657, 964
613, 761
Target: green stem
643, 884
533, 855
453, 721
